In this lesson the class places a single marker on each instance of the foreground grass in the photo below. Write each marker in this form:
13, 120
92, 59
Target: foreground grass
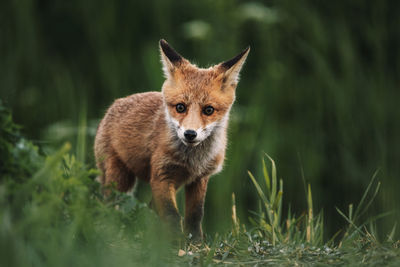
52, 213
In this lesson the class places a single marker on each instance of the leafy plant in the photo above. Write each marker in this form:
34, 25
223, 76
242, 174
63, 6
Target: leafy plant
19, 158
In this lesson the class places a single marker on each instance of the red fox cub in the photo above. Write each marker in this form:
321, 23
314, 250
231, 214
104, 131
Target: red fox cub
173, 138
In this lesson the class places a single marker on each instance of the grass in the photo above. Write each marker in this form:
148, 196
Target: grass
307, 228
52, 213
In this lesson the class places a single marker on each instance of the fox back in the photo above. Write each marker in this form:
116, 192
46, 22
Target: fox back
172, 138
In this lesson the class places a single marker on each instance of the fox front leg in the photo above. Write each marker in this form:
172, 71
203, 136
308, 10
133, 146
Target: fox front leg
194, 207
164, 202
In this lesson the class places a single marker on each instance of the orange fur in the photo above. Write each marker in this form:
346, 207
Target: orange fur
140, 136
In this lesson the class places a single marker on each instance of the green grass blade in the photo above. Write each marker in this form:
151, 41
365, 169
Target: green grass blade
377, 217
266, 176
351, 212
390, 237
371, 200
258, 188
280, 195
351, 223
360, 205
274, 180
310, 228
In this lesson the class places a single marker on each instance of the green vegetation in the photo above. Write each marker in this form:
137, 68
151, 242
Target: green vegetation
319, 90
52, 213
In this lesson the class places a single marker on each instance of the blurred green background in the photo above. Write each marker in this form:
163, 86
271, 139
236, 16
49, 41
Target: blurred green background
319, 92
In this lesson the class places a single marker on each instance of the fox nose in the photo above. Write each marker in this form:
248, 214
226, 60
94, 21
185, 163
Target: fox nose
190, 135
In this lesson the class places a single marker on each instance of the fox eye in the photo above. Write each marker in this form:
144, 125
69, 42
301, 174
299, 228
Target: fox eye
180, 108
208, 110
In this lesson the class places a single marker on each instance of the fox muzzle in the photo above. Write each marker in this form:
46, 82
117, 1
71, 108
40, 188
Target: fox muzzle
190, 135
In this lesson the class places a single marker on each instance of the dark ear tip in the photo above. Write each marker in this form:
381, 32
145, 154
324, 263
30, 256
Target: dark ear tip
228, 64
164, 45
245, 51
172, 55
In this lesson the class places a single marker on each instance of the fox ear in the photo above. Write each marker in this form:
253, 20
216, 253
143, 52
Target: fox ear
169, 58
231, 68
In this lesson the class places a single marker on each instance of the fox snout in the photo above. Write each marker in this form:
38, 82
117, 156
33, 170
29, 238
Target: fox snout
190, 135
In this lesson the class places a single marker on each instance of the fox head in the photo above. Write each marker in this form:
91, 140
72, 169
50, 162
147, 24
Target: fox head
198, 100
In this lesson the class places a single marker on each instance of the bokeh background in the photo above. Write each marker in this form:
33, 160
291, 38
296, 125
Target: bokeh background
319, 92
